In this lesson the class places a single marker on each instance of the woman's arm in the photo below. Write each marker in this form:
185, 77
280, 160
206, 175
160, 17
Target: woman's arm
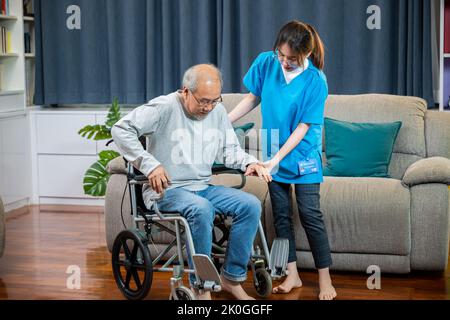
293, 141
245, 106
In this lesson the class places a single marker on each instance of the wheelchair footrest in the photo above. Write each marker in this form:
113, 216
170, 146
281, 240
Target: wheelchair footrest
207, 272
279, 255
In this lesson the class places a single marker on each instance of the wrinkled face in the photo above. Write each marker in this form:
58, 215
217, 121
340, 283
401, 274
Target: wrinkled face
200, 103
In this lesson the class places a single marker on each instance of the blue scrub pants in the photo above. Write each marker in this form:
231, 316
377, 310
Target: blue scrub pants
308, 201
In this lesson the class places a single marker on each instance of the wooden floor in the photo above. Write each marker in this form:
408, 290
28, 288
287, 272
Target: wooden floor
43, 242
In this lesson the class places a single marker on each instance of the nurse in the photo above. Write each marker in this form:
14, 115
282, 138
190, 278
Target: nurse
292, 89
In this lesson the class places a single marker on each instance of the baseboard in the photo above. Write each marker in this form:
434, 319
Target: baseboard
16, 205
71, 201
71, 208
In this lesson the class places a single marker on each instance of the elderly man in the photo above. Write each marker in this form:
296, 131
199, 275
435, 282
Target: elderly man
189, 130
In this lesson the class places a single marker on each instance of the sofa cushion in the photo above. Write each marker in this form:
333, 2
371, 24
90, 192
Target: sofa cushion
437, 130
387, 108
362, 215
230, 101
359, 149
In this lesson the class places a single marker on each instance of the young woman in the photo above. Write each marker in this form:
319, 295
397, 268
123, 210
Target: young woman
292, 89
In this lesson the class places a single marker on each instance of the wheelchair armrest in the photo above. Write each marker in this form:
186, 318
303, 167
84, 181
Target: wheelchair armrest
136, 177
221, 169
218, 169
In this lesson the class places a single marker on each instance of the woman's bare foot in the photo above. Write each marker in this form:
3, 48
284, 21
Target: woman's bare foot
292, 281
327, 291
235, 289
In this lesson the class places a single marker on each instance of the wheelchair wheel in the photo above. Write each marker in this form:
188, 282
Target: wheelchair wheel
264, 286
132, 265
183, 293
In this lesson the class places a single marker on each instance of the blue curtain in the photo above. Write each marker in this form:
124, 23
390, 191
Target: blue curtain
138, 49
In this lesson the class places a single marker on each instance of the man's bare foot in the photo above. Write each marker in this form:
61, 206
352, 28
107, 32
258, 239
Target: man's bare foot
292, 281
327, 291
235, 289
205, 295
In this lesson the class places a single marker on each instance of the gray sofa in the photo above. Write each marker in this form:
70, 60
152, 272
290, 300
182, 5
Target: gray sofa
399, 224
2, 228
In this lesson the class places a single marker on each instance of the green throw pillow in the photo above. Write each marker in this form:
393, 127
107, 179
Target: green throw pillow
359, 149
242, 131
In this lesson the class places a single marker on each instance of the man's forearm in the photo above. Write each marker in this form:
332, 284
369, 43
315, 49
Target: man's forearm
131, 148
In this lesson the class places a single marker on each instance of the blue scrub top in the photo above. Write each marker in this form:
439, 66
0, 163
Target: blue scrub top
283, 107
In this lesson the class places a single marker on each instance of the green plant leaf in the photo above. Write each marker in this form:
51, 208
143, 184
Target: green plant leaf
96, 178
97, 132
108, 155
114, 115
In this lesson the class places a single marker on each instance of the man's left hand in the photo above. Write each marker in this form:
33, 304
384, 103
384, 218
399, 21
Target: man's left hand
258, 170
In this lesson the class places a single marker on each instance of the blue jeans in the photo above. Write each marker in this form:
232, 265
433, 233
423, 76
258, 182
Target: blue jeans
308, 202
200, 208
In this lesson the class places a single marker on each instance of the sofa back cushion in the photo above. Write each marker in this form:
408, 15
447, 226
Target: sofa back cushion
437, 131
230, 101
410, 145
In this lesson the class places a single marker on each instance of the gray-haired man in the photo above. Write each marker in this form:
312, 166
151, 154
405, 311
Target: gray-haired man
189, 130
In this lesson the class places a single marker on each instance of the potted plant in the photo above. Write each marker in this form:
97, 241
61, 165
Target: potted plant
96, 177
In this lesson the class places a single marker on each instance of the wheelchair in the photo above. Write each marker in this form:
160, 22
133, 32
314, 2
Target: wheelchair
133, 266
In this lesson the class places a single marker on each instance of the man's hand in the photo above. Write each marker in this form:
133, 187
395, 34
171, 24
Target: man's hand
159, 179
258, 170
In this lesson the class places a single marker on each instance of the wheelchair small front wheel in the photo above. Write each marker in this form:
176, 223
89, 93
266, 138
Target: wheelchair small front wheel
263, 283
183, 293
132, 265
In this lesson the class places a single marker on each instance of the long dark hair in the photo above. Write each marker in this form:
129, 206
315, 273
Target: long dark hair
302, 38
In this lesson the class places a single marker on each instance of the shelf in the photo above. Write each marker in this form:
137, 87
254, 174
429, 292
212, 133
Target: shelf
8, 55
29, 55
4, 17
11, 92
29, 19
446, 55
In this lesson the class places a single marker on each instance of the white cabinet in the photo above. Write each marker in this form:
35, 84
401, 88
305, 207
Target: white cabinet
58, 134
15, 172
61, 176
60, 156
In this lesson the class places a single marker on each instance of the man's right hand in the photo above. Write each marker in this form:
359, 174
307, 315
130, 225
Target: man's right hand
159, 179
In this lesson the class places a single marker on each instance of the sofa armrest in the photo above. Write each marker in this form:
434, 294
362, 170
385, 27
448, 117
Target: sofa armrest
429, 170
2, 228
117, 166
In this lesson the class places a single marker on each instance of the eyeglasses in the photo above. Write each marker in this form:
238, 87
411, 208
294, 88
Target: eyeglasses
205, 103
291, 61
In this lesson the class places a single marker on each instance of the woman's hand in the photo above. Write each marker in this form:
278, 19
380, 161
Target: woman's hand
270, 165
258, 170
